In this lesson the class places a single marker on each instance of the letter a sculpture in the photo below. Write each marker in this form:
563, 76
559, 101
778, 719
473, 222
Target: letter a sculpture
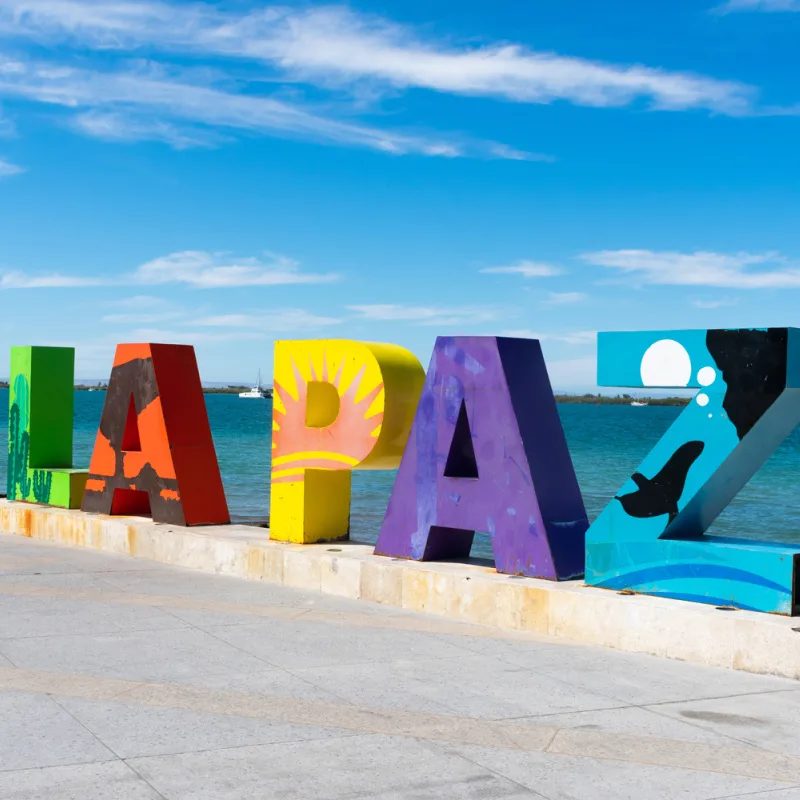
154, 450
487, 453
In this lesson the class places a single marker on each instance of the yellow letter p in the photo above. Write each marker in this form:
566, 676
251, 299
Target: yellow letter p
338, 405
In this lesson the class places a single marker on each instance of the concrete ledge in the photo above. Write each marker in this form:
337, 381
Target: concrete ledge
760, 643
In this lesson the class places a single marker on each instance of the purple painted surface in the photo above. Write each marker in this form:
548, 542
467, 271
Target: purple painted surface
525, 495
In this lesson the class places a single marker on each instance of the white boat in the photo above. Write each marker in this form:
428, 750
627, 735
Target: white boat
638, 403
256, 391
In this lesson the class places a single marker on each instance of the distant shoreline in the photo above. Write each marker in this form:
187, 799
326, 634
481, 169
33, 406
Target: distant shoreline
233, 390
101, 387
620, 400
580, 399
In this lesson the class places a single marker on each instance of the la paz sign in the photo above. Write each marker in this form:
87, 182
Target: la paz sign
477, 442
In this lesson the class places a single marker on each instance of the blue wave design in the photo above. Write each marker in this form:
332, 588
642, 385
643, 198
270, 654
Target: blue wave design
702, 598
693, 570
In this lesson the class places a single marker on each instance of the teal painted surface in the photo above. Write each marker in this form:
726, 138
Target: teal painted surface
624, 350
650, 537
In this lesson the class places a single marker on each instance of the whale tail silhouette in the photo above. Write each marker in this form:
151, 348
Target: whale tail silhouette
660, 494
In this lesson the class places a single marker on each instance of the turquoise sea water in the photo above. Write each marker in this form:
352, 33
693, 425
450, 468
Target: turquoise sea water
607, 443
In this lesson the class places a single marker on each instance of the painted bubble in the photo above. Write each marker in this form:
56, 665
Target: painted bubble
706, 376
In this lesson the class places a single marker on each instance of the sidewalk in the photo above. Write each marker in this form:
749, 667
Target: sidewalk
122, 678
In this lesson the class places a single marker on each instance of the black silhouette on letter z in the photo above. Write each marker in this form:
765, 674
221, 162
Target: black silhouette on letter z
660, 494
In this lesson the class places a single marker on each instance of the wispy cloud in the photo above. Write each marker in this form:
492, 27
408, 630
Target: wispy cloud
141, 302
275, 320
7, 169
337, 47
203, 270
11, 279
183, 336
148, 101
710, 304
194, 268
512, 154
441, 316
144, 310
569, 337
118, 126
142, 318
7, 126
528, 269
238, 327
731, 271
565, 298
759, 5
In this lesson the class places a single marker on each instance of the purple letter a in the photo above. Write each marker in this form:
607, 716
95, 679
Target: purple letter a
487, 453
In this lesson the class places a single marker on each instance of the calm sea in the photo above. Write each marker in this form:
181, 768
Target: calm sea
607, 443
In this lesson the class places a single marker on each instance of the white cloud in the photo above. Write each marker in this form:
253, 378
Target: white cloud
275, 320
181, 108
146, 310
737, 271
19, 280
528, 269
7, 126
709, 304
195, 268
429, 315
122, 127
142, 318
7, 169
337, 47
227, 321
521, 333
193, 337
140, 302
142, 309
203, 270
760, 5
565, 298
574, 337
512, 154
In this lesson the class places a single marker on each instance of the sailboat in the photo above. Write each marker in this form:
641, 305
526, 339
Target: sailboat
256, 391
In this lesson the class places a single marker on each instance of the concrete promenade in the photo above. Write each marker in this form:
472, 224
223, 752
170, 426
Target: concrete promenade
473, 593
126, 679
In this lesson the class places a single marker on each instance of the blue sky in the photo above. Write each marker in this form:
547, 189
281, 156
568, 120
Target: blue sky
225, 174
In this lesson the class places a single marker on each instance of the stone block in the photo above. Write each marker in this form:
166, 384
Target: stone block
340, 575
382, 581
301, 569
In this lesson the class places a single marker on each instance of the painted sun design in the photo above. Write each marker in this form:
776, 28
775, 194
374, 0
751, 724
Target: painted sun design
340, 442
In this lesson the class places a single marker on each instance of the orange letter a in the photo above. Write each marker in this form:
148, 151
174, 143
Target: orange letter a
154, 451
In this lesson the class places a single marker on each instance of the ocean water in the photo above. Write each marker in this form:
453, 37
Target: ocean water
607, 444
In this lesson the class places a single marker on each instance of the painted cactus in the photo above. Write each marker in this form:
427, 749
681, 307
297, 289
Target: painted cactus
22, 483
18, 479
42, 485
